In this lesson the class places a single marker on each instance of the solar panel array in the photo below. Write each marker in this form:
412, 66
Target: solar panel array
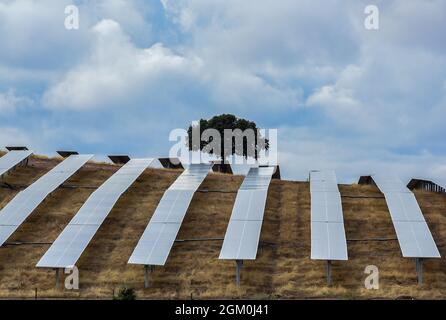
428, 185
328, 241
157, 240
26, 201
413, 234
73, 240
12, 159
243, 232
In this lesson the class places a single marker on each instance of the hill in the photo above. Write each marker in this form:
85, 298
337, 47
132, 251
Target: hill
283, 268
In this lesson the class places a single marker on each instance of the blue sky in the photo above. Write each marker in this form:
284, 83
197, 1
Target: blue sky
342, 97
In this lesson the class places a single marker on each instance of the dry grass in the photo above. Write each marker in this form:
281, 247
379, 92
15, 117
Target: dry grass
282, 269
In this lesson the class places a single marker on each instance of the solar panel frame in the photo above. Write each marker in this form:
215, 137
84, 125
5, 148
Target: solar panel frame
323, 186
415, 239
389, 183
176, 203
403, 206
323, 175
243, 232
26, 201
328, 239
66, 153
70, 246
326, 207
171, 163
156, 242
241, 240
119, 159
6, 232
16, 148
414, 236
11, 159
249, 205
71, 243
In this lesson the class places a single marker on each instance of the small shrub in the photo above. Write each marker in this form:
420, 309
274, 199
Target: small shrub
125, 293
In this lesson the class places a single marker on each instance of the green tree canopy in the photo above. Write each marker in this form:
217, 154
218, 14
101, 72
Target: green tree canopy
251, 147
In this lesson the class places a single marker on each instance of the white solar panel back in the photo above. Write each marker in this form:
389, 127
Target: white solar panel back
159, 236
73, 240
413, 234
26, 201
328, 241
243, 232
12, 159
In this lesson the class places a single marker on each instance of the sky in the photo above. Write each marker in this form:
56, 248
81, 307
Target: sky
341, 96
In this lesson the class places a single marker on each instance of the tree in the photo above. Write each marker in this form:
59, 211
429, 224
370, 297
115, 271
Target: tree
240, 142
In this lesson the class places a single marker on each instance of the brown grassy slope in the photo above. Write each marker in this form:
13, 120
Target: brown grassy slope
282, 269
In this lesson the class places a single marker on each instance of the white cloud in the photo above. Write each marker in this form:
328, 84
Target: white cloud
347, 97
351, 159
10, 136
9, 102
330, 96
129, 14
32, 32
117, 72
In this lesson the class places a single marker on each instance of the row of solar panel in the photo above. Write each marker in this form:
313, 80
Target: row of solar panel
26, 201
73, 240
159, 236
242, 236
328, 240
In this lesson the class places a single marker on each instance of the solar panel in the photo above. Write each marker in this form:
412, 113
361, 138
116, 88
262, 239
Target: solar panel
119, 159
243, 232
26, 201
65, 153
428, 185
389, 183
171, 163
326, 207
404, 206
13, 158
415, 239
157, 240
413, 234
328, 241
16, 148
73, 240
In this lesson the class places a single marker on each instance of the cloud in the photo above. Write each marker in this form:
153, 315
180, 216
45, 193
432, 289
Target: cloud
351, 159
9, 102
32, 32
286, 33
118, 73
340, 95
116, 70
327, 96
10, 136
